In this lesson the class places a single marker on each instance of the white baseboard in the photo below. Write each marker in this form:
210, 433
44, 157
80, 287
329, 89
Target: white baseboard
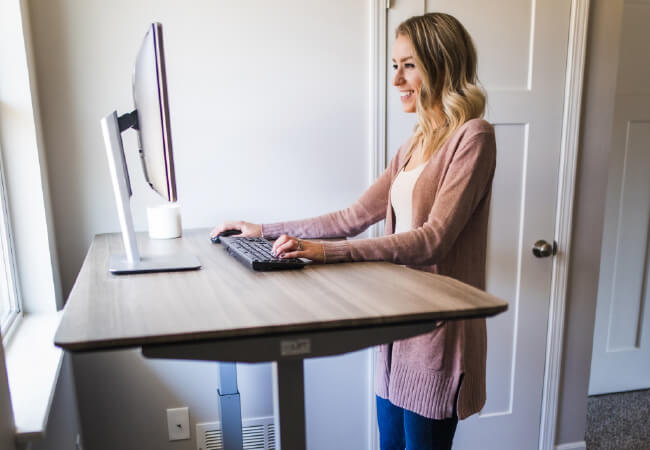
572, 446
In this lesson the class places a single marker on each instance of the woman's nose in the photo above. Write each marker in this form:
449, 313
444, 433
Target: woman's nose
398, 78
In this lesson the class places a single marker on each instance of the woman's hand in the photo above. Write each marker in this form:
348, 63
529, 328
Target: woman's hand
291, 247
247, 229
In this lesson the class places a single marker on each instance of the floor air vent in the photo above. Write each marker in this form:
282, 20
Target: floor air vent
258, 434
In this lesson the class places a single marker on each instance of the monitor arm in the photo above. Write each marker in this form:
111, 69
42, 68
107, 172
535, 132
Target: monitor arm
128, 120
124, 122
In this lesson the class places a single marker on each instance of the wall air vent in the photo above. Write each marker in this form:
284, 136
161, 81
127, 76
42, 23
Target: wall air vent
270, 435
257, 433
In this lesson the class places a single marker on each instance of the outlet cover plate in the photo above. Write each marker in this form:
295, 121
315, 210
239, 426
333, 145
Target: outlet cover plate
178, 423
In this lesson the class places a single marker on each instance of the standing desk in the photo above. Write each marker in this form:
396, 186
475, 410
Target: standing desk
227, 312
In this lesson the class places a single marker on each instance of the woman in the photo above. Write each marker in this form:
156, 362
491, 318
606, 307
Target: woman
435, 198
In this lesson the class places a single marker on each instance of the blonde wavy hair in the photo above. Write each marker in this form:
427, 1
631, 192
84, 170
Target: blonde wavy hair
450, 94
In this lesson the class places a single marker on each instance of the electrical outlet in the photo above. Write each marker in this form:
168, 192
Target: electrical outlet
178, 423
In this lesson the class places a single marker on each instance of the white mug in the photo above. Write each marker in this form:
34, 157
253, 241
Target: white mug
164, 221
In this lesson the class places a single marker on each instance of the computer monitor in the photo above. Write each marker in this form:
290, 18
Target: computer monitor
150, 119
152, 107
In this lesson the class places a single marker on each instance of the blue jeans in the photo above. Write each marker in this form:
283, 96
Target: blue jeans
401, 429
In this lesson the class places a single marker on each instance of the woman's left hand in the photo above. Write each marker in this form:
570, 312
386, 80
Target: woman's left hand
291, 247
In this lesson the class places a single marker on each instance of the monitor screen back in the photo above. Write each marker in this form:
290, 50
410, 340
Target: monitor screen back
150, 98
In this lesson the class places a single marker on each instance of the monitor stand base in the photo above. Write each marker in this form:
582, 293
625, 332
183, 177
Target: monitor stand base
119, 264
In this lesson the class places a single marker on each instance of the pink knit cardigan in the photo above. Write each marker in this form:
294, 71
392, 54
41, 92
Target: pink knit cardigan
451, 201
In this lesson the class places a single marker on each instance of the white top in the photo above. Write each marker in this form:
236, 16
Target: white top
401, 197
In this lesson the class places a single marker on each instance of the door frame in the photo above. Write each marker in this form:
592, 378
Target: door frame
575, 67
377, 91
577, 49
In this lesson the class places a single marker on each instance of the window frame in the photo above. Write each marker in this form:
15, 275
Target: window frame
7, 247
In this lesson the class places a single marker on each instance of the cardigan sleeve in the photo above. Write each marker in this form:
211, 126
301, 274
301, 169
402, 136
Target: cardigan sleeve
370, 208
467, 181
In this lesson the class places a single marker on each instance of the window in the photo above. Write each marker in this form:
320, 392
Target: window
9, 294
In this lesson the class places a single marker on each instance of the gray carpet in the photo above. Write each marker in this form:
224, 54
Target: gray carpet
619, 421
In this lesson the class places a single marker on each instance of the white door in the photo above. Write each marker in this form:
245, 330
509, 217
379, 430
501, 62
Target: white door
522, 48
621, 353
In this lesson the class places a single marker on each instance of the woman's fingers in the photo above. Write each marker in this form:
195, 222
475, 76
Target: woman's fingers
225, 226
283, 244
290, 255
216, 230
279, 241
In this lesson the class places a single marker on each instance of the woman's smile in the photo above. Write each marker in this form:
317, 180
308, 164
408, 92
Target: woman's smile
405, 96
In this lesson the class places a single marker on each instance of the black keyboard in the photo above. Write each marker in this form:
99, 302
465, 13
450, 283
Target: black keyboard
256, 254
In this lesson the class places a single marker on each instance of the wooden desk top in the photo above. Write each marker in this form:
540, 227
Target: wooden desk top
225, 299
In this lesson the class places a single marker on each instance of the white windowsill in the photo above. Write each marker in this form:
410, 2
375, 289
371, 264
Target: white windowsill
33, 365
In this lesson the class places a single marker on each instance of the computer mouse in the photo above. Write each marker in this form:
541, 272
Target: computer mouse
224, 233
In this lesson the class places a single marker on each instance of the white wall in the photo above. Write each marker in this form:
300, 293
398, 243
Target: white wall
63, 425
277, 90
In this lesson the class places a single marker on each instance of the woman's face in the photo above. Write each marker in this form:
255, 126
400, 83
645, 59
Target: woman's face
408, 78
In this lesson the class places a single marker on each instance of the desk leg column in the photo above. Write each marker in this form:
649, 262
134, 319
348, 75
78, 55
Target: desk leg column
230, 407
289, 404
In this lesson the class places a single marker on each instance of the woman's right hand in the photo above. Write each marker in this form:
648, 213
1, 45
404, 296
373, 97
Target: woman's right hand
247, 229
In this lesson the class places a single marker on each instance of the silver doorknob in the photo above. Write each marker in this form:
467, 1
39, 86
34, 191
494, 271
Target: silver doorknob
543, 249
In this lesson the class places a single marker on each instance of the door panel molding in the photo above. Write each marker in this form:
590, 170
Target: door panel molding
631, 256
505, 268
516, 19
